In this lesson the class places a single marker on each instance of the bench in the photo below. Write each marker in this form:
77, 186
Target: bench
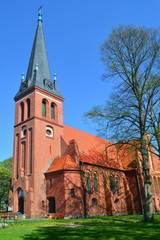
8, 215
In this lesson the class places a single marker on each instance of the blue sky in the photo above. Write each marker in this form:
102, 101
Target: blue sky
74, 31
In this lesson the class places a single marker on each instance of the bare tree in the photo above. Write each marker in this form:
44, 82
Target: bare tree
131, 56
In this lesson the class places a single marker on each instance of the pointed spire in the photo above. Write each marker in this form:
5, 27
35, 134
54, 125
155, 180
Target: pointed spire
38, 73
39, 57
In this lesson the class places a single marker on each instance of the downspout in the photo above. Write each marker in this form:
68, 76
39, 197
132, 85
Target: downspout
84, 192
139, 190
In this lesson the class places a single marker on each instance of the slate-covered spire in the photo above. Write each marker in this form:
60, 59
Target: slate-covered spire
38, 73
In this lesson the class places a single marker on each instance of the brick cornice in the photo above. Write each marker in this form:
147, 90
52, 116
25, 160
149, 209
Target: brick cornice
35, 88
22, 123
42, 119
115, 169
63, 170
48, 121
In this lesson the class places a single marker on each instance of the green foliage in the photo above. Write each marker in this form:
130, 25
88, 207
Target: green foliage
5, 176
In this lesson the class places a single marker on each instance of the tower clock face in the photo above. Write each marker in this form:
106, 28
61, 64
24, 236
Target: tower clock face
47, 83
50, 86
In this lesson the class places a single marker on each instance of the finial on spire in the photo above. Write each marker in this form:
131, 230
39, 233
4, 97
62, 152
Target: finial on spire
40, 14
22, 77
55, 77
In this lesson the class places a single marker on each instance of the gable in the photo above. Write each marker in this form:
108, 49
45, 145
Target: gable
63, 163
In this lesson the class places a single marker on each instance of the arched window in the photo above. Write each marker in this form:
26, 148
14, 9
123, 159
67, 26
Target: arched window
22, 111
20, 193
52, 110
44, 107
94, 201
28, 108
117, 186
88, 181
112, 185
95, 182
24, 131
20, 201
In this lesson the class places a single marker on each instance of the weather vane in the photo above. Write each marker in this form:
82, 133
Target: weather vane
39, 9
40, 14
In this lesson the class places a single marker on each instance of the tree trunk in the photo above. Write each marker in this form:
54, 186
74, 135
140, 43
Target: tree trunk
148, 206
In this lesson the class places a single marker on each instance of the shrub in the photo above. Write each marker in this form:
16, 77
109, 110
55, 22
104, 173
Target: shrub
58, 216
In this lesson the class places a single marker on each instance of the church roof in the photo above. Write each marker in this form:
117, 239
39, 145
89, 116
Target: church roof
38, 73
96, 150
85, 141
63, 163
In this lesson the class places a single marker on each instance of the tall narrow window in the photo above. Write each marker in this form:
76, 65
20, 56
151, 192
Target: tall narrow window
24, 156
112, 185
117, 186
28, 108
50, 183
44, 107
72, 192
88, 182
52, 111
22, 111
17, 155
95, 182
30, 150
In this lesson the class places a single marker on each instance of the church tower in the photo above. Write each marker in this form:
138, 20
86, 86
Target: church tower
37, 130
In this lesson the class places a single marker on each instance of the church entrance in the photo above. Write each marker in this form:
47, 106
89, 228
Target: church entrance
21, 201
52, 205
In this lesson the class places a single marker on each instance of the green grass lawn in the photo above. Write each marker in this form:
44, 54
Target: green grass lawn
100, 228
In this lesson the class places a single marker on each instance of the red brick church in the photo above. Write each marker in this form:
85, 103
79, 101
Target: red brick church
59, 169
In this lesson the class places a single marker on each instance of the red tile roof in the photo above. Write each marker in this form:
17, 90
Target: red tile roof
96, 150
92, 149
85, 141
64, 162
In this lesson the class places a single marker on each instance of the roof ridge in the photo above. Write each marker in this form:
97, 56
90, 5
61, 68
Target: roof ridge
88, 133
